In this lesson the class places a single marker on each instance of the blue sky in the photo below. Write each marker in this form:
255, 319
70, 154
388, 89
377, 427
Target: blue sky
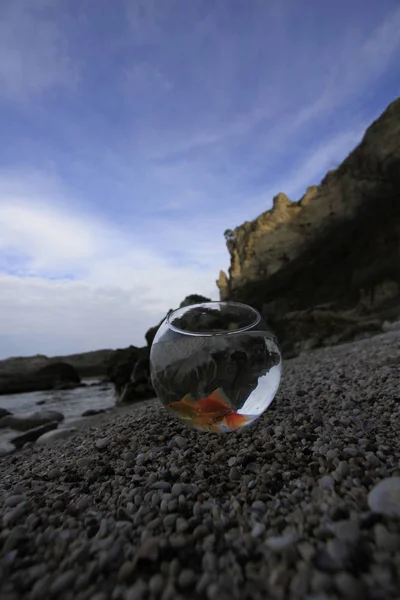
134, 132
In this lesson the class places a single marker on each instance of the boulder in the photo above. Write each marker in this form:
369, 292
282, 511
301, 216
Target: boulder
55, 434
129, 368
121, 366
31, 421
188, 301
139, 386
4, 412
59, 373
6, 448
338, 245
33, 434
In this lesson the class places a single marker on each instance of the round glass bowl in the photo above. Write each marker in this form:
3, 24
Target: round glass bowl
217, 365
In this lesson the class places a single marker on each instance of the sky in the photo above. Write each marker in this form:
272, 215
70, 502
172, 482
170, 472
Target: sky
135, 132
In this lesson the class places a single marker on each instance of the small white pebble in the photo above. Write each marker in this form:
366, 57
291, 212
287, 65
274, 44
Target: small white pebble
384, 498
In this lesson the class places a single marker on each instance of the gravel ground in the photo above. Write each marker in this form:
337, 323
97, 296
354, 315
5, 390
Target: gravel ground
136, 506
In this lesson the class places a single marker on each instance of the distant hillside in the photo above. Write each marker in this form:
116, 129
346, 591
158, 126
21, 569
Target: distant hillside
88, 364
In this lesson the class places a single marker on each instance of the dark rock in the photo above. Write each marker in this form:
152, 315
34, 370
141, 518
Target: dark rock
57, 375
151, 333
188, 301
33, 434
121, 366
129, 368
55, 434
60, 373
329, 264
4, 413
91, 412
27, 422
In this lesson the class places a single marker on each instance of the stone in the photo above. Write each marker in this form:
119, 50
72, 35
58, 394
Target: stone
343, 469
306, 551
33, 434
181, 525
84, 461
14, 500
156, 584
258, 506
346, 531
102, 443
63, 582
41, 588
334, 557
13, 516
6, 448
187, 578
148, 550
165, 486
129, 457
281, 543
386, 541
348, 585
258, 530
180, 441
170, 520
126, 571
384, 498
234, 474
56, 434
326, 482
137, 591
91, 412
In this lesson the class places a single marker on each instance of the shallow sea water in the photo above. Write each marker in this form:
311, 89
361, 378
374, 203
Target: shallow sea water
71, 403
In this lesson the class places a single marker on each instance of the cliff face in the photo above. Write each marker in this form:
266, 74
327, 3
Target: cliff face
340, 244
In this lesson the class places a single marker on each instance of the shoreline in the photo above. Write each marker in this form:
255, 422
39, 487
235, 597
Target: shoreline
136, 506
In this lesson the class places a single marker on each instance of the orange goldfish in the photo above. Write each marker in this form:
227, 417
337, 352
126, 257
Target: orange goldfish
212, 413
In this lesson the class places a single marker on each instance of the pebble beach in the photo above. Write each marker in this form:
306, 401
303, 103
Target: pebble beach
135, 506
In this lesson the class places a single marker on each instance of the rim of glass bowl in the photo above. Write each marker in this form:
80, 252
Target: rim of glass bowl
257, 319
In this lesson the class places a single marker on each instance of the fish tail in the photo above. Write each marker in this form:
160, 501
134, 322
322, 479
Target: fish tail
235, 420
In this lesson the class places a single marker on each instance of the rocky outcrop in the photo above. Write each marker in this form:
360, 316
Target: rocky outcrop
87, 364
338, 245
129, 368
129, 371
188, 301
50, 377
61, 375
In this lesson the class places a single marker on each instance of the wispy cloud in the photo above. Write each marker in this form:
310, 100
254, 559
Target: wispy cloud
85, 282
34, 53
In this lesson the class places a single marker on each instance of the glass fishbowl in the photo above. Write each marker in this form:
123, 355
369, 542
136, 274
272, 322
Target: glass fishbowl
217, 365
